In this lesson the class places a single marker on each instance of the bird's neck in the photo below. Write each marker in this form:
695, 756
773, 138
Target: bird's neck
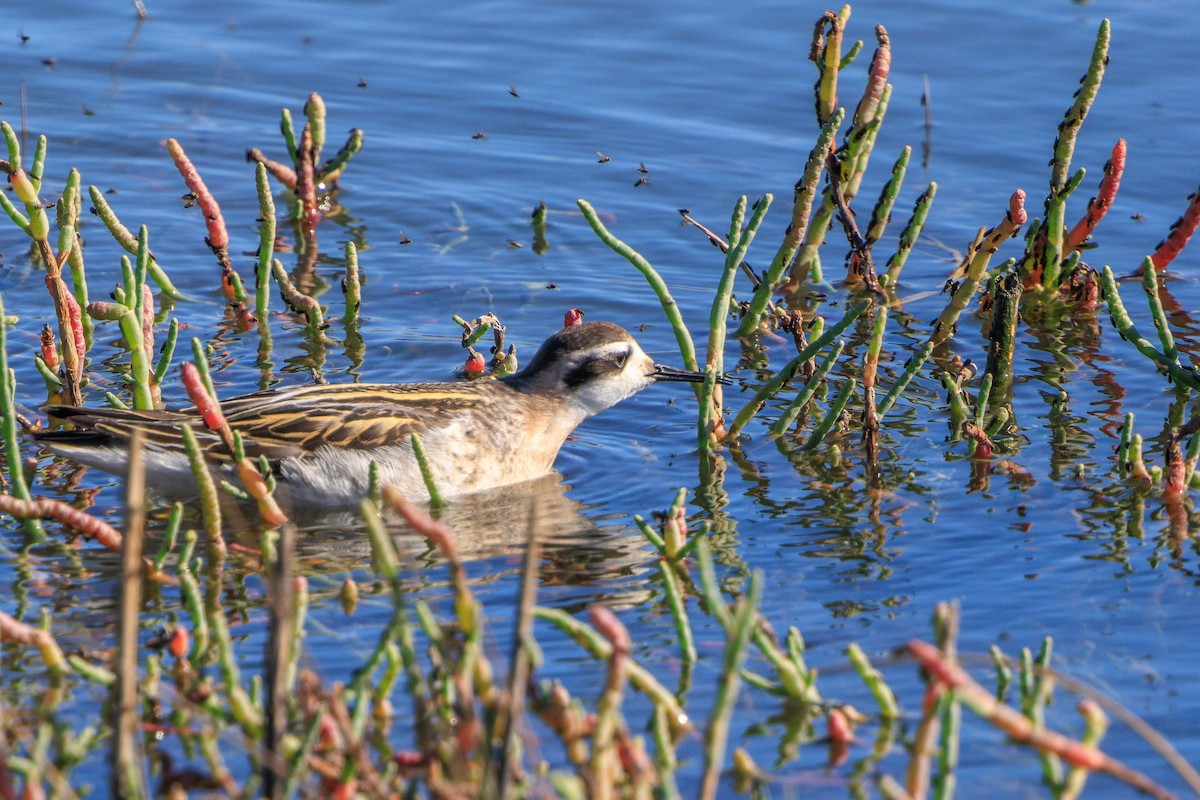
538, 422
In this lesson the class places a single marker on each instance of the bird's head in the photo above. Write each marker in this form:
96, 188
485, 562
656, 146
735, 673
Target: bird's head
596, 365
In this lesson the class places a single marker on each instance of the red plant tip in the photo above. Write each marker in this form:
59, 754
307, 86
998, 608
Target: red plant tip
328, 734
840, 729
49, 351
611, 628
1091, 711
877, 76
218, 238
180, 642
227, 286
45, 508
256, 487
306, 188
1016, 208
675, 531
23, 187
1176, 479
1117, 158
881, 63
147, 318
680, 521
198, 393
437, 532
243, 317
573, 317
559, 696
1181, 232
312, 215
475, 364
634, 759
983, 443
935, 663
104, 310
76, 317
1099, 205
13, 630
409, 759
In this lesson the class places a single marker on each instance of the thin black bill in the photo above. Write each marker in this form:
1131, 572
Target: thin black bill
664, 373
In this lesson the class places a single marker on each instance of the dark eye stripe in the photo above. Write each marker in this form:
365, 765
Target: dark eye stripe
594, 368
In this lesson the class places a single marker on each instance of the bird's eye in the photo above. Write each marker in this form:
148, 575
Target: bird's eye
620, 360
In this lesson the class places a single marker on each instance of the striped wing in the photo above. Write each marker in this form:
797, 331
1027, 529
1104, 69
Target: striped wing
290, 423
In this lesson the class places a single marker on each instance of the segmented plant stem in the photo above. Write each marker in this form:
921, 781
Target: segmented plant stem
682, 336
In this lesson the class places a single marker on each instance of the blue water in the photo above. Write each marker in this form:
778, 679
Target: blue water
715, 101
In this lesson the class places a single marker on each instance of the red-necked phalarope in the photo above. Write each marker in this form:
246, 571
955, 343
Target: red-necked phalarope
321, 439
